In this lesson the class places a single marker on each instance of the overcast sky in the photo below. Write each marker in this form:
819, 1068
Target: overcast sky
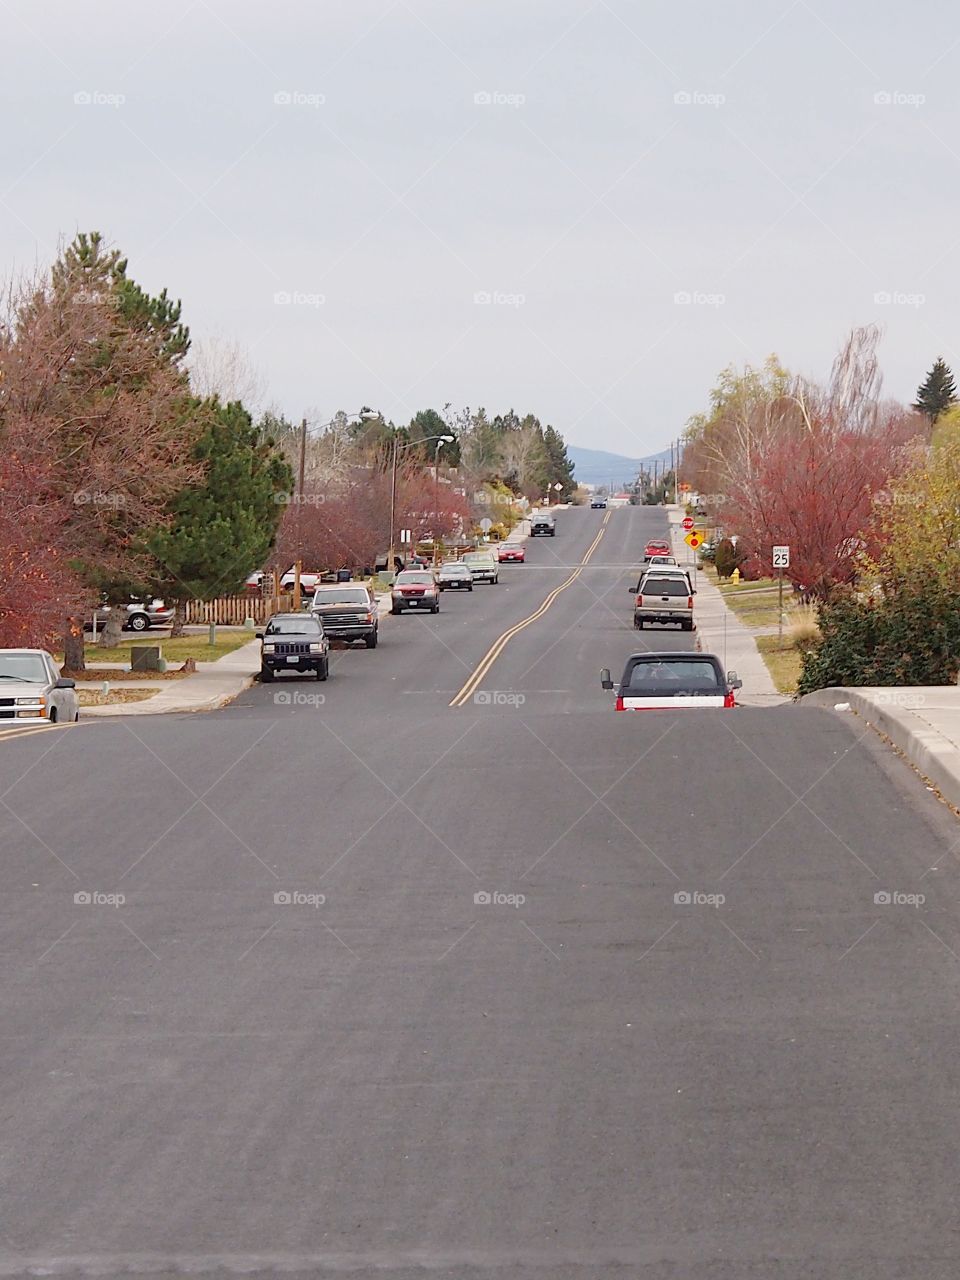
347, 231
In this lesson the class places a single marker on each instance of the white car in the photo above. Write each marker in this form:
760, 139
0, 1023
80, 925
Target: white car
33, 691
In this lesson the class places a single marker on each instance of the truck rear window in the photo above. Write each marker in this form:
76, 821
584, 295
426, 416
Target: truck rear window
664, 587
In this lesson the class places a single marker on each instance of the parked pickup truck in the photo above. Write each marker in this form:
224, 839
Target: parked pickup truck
348, 611
482, 566
663, 598
542, 524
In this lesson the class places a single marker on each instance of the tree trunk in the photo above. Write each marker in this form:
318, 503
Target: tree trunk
110, 635
179, 623
73, 645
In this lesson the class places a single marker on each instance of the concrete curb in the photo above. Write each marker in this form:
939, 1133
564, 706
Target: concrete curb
931, 752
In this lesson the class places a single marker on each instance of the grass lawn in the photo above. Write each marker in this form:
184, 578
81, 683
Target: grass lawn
175, 651
783, 661
114, 675
93, 698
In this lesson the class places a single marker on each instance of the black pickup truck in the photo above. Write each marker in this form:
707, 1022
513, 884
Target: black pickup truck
348, 611
543, 524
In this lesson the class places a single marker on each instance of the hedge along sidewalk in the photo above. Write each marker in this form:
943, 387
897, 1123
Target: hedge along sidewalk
923, 721
720, 631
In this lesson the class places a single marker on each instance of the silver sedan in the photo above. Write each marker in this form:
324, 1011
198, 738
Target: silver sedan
32, 689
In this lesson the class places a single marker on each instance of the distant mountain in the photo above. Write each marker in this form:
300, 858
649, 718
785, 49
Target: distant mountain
595, 466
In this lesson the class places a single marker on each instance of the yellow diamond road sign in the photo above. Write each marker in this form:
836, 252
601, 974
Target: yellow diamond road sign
695, 538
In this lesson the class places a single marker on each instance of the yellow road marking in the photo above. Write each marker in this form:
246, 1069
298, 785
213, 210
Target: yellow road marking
498, 646
20, 732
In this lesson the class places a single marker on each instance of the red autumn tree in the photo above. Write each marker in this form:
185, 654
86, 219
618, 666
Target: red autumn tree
809, 463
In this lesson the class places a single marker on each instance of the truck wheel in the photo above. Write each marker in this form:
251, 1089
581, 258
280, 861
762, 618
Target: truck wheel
436, 608
324, 670
266, 675
371, 640
395, 609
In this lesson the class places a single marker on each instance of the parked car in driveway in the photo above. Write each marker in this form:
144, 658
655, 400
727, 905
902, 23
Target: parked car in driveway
415, 589
674, 682
483, 566
663, 597
141, 615
294, 642
454, 576
33, 691
348, 611
511, 551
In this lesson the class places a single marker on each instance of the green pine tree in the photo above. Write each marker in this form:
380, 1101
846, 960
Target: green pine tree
560, 466
937, 392
224, 527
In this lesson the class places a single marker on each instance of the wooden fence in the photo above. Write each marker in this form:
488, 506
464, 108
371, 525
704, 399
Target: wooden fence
234, 610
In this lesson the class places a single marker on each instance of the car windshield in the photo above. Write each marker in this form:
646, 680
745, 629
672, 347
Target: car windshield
29, 667
478, 557
674, 677
664, 586
341, 595
405, 578
293, 626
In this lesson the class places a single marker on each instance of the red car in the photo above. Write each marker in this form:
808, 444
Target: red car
656, 547
510, 551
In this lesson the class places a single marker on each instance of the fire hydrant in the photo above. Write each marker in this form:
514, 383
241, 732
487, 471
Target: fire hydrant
735, 576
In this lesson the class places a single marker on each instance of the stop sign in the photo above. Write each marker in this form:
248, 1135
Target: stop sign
687, 522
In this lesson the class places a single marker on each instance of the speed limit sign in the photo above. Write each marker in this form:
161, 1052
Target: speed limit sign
781, 557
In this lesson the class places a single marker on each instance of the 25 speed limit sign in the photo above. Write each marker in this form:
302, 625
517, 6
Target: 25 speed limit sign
781, 557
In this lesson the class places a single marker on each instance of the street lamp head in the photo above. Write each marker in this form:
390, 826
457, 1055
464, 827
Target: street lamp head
446, 439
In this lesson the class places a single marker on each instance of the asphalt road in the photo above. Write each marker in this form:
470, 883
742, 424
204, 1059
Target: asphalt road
596, 1081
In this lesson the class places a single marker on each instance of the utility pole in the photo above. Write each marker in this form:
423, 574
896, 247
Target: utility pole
298, 569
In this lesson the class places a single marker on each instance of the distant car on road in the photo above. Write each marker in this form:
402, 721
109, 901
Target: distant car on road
542, 525
483, 566
508, 551
598, 504
415, 589
656, 547
663, 597
348, 611
673, 681
454, 576
141, 615
33, 691
662, 560
293, 642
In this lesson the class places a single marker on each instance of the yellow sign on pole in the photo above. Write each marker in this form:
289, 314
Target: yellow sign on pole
694, 539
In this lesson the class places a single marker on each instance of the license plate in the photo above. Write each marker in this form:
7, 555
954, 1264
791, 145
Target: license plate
293, 659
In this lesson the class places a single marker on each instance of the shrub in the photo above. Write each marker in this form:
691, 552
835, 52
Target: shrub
804, 628
909, 638
725, 558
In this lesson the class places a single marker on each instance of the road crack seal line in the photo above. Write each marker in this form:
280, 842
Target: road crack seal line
498, 646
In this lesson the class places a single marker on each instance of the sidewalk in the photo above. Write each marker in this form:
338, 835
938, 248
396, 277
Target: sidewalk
923, 721
721, 632
214, 684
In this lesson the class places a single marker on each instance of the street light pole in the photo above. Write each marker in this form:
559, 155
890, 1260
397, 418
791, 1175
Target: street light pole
436, 499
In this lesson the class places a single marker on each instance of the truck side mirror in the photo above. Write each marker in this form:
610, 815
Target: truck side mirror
733, 680
605, 681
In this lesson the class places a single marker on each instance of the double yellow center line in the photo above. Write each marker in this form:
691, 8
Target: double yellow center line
25, 730
498, 646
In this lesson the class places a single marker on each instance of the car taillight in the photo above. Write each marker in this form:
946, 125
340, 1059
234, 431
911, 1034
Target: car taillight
639, 601
689, 602
620, 706
729, 699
